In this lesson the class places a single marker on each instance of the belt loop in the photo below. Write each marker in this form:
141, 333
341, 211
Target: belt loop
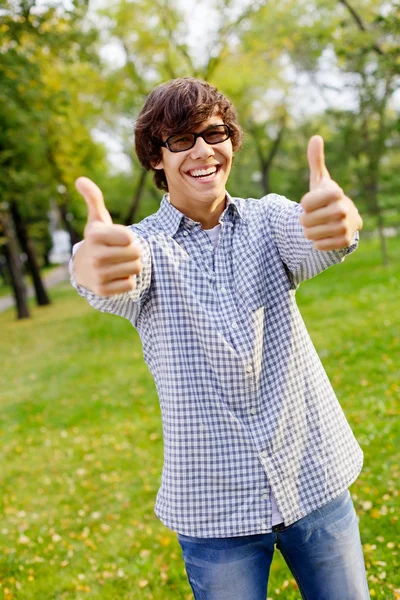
278, 527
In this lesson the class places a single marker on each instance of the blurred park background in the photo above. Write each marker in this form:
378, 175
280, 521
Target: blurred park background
80, 430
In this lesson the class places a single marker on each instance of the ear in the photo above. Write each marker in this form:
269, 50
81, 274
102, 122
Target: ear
158, 166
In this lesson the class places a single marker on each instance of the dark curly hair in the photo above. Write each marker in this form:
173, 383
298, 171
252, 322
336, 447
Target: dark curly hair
179, 105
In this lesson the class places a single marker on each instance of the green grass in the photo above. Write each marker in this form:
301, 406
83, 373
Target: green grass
81, 441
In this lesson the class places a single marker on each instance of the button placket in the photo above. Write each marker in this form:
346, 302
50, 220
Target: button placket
206, 251
265, 493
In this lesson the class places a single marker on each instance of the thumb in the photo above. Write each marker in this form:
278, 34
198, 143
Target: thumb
93, 197
319, 174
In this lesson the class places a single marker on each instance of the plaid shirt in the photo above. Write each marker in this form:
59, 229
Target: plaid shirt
246, 404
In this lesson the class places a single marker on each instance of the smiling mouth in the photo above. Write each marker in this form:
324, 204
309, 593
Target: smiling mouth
204, 174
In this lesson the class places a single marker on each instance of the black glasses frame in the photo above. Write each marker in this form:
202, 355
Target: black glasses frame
203, 135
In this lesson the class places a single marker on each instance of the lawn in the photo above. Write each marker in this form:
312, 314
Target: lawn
81, 441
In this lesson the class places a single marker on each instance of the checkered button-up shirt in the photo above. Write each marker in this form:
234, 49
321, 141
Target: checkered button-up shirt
246, 404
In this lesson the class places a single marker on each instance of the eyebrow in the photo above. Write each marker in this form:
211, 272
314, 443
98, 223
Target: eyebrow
182, 131
203, 129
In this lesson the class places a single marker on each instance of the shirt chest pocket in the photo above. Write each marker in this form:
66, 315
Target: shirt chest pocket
260, 277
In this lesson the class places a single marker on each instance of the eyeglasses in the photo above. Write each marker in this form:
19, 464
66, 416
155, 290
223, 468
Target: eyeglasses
179, 142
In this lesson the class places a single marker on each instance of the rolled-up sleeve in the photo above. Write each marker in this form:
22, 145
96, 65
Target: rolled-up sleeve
125, 305
297, 252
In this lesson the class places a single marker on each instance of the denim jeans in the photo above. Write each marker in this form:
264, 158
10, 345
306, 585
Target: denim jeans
322, 550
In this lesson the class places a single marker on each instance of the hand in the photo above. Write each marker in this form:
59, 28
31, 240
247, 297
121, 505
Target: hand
109, 256
330, 218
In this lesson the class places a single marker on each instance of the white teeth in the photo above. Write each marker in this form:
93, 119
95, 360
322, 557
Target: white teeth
203, 172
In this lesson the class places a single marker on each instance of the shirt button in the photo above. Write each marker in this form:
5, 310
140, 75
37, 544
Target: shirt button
265, 496
263, 525
264, 454
253, 410
249, 368
211, 249
223, 290
185, 233
234, 325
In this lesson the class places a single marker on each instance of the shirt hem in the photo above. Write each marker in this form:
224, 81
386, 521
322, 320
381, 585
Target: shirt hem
256, 530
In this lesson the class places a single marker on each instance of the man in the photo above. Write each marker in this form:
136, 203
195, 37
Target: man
257, 450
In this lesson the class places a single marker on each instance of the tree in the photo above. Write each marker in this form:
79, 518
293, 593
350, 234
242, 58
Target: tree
47, 62
368, 46
10, 250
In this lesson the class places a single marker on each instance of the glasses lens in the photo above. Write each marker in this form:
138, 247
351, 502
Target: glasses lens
180, 142
184, 141
216, 135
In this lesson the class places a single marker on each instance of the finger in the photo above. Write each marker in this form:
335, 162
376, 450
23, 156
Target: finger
329, 230
332, 243
319, 174
94, 200
118, 286
120, 271
321, 197
108, 256
335, 211
109, 235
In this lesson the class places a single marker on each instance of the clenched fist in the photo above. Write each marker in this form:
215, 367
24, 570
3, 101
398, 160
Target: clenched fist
109, 256
330, 218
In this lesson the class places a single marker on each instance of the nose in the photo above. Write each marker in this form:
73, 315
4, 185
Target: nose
201, 149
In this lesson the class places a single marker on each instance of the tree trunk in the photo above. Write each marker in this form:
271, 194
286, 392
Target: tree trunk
265, 177
266, 159
11, 253
63, 204
73, 234
42, 297
371, 194
4, 274
130, 217
384, 251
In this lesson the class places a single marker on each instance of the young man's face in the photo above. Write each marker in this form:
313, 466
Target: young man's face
197, 177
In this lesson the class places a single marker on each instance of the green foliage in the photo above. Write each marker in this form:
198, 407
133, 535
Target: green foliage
47, 64
55, 89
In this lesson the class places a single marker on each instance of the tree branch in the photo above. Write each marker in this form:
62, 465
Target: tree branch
356, 17
222, 34
132, 68
180, 48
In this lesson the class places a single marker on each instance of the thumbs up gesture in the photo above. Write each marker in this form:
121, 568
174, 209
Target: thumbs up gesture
330, 219
109, 256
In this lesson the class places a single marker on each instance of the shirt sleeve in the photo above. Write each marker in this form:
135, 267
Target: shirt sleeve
297, 252
125, 305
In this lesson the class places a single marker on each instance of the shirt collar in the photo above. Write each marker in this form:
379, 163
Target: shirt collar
170, 218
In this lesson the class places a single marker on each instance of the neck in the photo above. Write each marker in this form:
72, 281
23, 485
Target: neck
207, 215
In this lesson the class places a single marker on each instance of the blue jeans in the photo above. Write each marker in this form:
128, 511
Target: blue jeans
322, 550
